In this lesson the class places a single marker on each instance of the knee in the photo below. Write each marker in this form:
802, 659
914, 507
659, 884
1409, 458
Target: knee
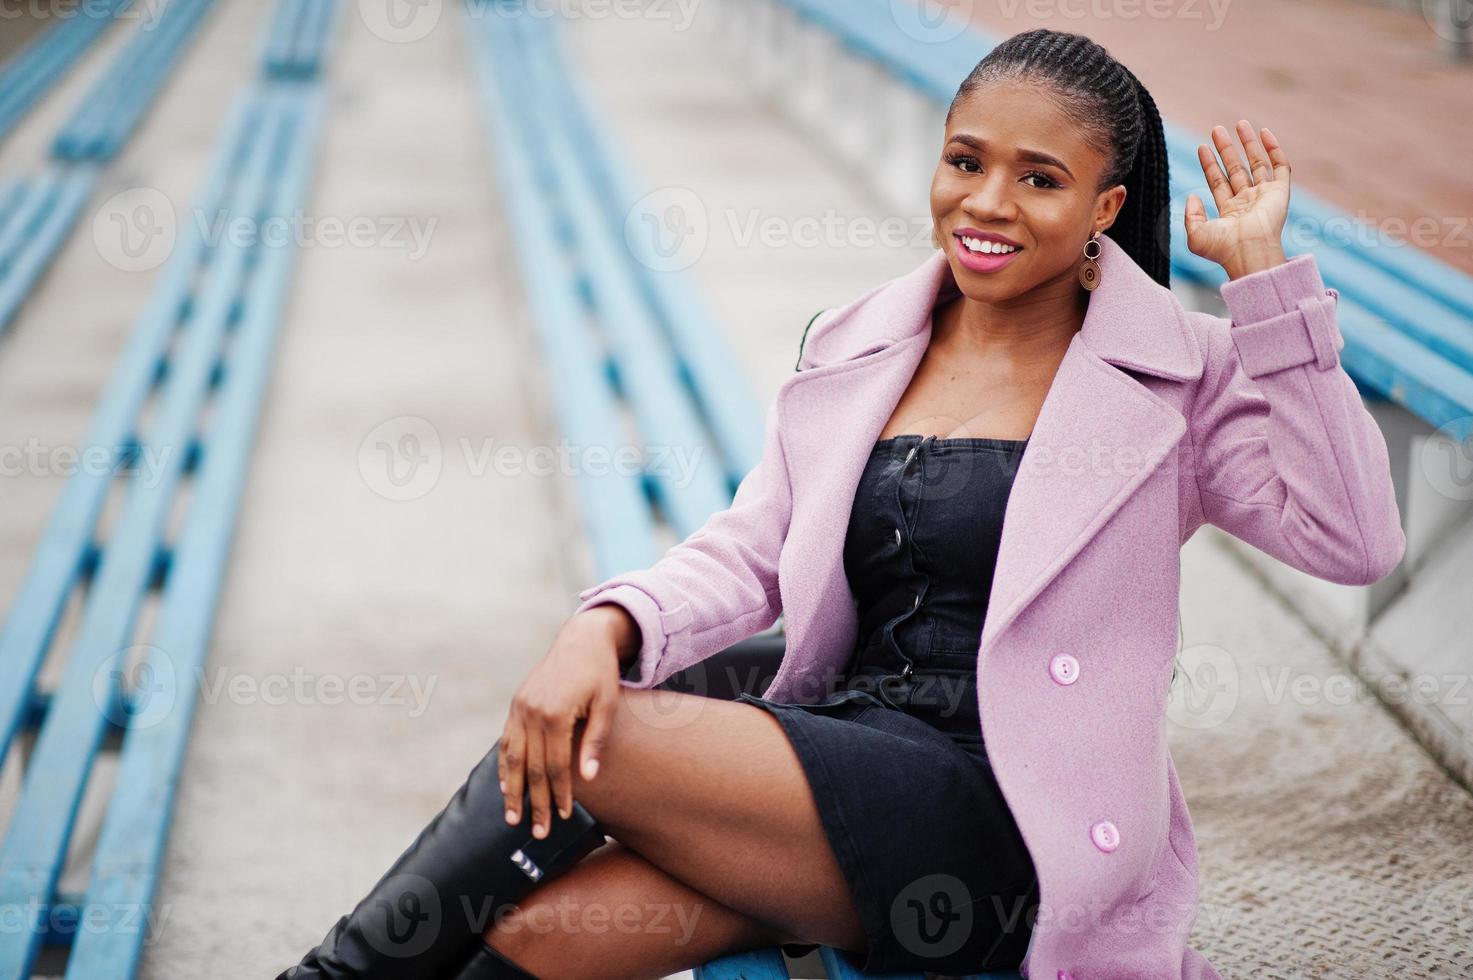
634, 748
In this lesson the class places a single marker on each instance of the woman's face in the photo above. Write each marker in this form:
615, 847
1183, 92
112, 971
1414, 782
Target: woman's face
1014, 166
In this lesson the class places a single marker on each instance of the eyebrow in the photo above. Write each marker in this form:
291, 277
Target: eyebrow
1032, 156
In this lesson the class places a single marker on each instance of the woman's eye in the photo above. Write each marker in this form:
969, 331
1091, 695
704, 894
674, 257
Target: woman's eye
960, 161
1047, 180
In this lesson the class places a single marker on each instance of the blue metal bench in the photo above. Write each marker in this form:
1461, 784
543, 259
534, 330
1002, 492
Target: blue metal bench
31, 73
38, 213
591, 290
110, 111
201, 354
297, 42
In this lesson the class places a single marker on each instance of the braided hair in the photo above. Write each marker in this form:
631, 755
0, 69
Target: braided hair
1116, 115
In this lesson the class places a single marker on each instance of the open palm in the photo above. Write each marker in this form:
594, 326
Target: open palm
1252, 200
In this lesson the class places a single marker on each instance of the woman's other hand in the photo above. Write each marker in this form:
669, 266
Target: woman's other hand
1252, 202
577, 681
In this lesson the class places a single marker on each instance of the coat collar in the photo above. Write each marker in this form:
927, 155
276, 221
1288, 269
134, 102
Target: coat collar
1099, 436
1133, 321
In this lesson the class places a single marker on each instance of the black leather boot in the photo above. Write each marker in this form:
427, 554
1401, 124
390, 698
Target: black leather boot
485, 963
446, 888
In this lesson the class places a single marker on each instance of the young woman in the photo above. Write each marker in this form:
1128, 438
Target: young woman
1034, 367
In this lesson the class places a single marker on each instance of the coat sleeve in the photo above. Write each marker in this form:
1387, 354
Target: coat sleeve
715, 588
1287, 456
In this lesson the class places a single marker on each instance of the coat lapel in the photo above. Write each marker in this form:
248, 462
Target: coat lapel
1099, 435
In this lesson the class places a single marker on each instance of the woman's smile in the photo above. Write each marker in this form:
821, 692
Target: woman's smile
984, 251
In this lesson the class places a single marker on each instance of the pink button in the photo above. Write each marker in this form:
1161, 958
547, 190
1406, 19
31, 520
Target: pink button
1064, 668
1105, 836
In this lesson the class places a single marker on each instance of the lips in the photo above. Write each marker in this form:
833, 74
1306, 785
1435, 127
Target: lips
984, 261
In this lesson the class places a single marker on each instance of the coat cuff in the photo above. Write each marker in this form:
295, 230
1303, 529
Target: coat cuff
1284, 317
640, 671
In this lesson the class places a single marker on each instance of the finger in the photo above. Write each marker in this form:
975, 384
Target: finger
1258, 163
1232, 164
595, 734
559, 766
512, 765
1276, 154
1195, 215
540, 799
1216, 182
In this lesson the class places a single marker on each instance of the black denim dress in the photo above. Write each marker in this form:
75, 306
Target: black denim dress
895, 755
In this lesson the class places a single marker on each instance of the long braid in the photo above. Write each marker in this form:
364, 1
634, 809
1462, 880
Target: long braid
1117, 116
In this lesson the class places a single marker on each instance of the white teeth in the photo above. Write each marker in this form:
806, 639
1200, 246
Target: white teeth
987, 247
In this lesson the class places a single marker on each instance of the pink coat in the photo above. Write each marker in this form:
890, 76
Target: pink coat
1158, 417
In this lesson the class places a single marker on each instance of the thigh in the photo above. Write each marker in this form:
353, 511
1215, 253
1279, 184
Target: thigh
614, 914
712, 793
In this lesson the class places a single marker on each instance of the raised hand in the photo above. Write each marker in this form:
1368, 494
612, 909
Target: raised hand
1252, 202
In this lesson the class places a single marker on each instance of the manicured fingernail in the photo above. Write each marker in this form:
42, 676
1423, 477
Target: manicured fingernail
503, 787
590, 769
564, 813
511, 815
539, 831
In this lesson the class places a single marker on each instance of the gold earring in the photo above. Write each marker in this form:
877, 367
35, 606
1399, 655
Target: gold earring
1089, 269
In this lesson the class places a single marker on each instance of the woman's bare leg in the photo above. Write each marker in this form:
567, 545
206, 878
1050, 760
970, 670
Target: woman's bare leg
713, 799
616, 915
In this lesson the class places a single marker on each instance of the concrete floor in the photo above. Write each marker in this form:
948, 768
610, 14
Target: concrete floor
1312, 818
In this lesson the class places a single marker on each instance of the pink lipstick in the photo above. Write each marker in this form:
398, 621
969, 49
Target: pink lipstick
984, 261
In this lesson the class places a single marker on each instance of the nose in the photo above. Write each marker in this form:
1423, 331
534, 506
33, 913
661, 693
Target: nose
991, 199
